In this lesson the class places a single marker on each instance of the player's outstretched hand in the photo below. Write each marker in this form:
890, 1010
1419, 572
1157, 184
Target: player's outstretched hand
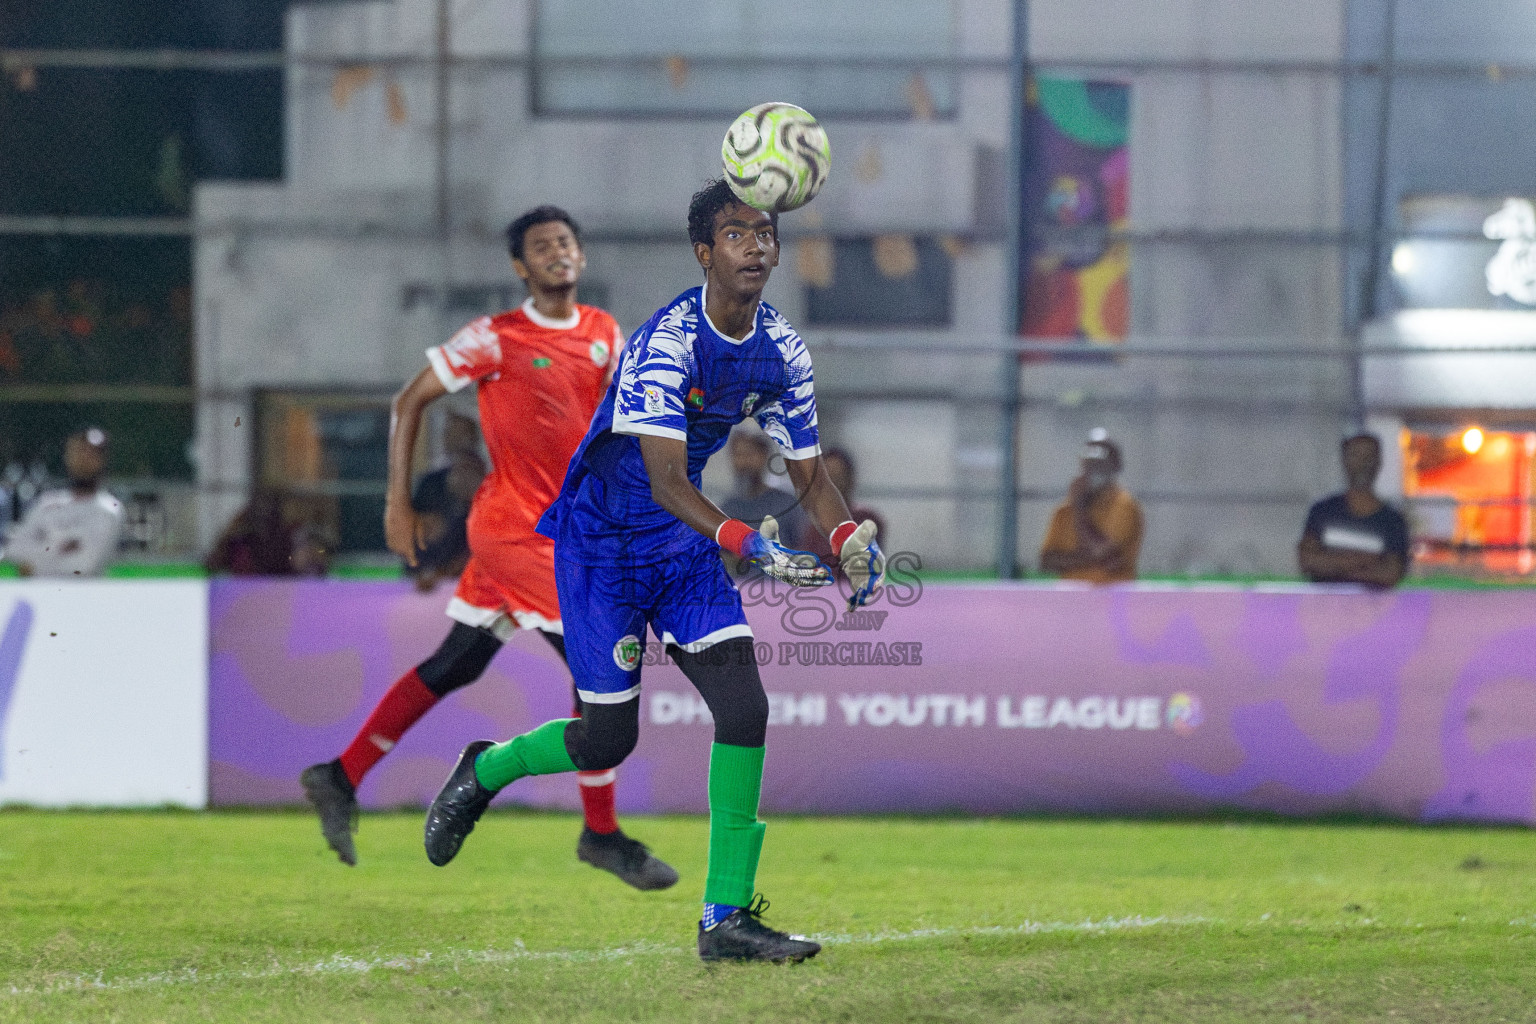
402, 531
797, 568
863, 563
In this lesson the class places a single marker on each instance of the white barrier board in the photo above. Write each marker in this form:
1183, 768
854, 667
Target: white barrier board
104, 692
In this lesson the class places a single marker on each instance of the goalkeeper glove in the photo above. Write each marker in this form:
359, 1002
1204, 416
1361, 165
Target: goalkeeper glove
861, 558
762, 548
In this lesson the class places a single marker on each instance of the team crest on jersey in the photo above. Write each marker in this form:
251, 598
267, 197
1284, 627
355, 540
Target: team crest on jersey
696, 398
599, 353
653, 402
749, 402
626, 653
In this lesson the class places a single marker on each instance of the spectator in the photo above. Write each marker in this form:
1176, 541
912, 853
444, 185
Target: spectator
751, 450
311, 553
442, 500
753, 498
73, 531
1095, 535
1355, 537
257, 542
840, 468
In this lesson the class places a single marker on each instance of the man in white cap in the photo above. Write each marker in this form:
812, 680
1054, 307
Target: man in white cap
1095, 534
72, 531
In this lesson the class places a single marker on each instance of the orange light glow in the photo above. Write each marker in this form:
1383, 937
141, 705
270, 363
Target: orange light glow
1472, 440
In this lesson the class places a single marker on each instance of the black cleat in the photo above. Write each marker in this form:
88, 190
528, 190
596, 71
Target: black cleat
743, 937
629, 859
333, 797
457, 807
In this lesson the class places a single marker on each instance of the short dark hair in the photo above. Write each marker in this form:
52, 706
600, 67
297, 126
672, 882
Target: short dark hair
715, 196
518, 229
837, 452
1359, 435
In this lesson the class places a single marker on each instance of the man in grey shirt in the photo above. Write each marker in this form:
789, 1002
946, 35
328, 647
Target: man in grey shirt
72, 531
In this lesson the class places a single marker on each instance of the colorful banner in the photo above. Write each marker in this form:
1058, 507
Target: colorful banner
986, 699
1076, 189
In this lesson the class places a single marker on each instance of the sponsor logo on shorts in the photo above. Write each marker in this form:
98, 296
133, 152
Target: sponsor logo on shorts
626, 653
599, 353
653, 403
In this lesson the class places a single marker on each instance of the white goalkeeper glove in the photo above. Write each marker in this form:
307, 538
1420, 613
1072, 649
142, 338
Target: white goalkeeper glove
861, 558
761, 548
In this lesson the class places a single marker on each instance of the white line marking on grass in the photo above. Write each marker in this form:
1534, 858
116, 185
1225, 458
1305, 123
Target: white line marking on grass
341, 963
1091, 927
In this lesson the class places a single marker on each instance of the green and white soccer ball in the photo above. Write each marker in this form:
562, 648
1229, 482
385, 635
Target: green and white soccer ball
776, 157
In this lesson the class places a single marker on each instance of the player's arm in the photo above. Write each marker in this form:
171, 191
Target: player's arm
402, 527
857, 548
818, 495
666, 463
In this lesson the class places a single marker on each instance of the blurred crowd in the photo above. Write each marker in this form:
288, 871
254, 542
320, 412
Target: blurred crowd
75, 527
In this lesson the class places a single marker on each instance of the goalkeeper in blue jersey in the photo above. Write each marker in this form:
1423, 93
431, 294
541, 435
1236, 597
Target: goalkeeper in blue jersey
637, 544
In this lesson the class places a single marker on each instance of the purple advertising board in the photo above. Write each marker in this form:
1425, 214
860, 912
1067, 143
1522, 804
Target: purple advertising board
1416, 704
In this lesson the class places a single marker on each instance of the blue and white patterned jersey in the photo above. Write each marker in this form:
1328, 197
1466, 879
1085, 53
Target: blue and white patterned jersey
679, 377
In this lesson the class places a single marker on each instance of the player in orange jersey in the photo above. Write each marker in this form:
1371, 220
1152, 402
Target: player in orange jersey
542, 370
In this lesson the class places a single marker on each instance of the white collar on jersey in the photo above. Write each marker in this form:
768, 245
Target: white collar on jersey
569, 323
704, 312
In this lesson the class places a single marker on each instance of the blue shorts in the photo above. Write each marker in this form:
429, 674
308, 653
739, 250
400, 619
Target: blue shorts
690, 602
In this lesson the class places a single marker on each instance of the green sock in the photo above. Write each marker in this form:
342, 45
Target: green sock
540, 752
735, 834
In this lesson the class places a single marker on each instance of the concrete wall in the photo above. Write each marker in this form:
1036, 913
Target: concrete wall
1210, 151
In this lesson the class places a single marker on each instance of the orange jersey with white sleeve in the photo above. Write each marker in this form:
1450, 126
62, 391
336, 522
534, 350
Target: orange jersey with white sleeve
540, 382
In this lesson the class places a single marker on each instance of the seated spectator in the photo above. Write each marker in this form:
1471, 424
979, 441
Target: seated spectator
311, 551
751, 451
442, 500
73, 531
841, 470
1095, 535
1355, 537
257, 542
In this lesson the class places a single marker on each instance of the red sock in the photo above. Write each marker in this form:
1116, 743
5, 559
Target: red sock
405, 702
597, 801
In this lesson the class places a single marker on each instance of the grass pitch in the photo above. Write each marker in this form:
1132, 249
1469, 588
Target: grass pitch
195, 917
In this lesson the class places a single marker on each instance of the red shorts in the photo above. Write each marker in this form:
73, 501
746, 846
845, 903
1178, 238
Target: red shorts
508, 585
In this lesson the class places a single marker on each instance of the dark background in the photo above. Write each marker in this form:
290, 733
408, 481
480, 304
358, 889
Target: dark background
115, 309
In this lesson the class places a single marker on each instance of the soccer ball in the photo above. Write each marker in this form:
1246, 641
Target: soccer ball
776, 157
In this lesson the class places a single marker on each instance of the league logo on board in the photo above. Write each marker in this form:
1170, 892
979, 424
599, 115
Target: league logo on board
653, 403
1184, 713
748, 402
599, 353
626, 653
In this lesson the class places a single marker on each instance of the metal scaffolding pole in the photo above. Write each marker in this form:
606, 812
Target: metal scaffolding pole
1366, 308
1008, 435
